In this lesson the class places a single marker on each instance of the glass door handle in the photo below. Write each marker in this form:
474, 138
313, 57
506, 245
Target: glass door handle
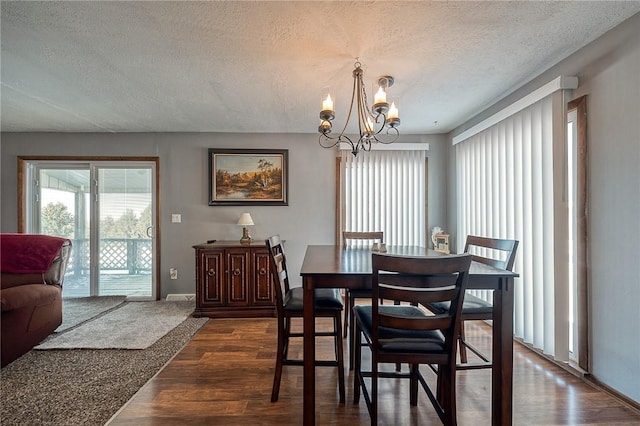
150, 231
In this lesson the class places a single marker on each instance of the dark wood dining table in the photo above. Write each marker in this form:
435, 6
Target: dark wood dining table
328, 266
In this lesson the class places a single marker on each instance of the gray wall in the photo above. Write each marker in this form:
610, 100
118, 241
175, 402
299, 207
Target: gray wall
609, 73
308, 219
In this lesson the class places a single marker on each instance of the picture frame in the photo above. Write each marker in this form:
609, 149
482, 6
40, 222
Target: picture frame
239, 177
442, 243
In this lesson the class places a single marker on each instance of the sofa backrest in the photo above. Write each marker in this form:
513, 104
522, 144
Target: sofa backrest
52, 276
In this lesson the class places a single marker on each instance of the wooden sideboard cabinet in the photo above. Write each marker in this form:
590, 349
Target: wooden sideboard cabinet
233, 280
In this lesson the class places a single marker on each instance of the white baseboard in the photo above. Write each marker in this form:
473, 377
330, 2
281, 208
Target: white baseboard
177, 297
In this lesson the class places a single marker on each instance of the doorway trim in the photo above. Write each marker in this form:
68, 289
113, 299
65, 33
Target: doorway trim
582, 206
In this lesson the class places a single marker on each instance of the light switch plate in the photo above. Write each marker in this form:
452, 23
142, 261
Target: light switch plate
176, 218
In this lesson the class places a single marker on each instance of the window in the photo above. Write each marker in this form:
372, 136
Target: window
513, 182
384, 191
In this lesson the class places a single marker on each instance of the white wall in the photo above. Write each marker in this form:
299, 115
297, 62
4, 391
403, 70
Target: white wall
609, 73
308, 219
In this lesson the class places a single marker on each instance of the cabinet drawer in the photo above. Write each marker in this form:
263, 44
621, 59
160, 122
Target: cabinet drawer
237, 277
212, 278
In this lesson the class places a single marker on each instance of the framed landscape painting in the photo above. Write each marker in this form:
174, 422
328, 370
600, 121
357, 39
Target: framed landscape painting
248, 177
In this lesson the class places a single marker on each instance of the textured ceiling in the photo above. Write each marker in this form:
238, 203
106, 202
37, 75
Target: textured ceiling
262, 66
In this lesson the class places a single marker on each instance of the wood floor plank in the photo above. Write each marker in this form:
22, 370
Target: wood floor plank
223, 376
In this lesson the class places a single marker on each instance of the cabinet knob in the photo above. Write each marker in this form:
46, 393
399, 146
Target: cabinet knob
236, 272
211, 272
263, 271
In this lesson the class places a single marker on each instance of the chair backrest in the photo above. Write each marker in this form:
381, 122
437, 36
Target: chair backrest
353, 237
279, 270
420, 281
508, 249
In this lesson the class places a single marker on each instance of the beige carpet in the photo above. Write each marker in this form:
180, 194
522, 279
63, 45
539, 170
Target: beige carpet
75, 311
131, 325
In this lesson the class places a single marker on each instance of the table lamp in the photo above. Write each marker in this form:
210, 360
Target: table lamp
244, 221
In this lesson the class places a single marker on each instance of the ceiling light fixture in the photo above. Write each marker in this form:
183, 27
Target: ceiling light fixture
371, 122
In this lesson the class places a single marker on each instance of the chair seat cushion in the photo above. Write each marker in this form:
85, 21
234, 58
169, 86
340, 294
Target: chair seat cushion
326, 299
360, 293
471, 305
395, 340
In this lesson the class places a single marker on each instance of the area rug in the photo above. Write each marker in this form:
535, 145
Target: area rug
75, 311
132, 325
84, 386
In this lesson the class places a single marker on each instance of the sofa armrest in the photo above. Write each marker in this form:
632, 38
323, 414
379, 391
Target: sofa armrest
15, 298
55, 274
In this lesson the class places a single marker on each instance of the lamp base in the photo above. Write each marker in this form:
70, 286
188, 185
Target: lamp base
246, 238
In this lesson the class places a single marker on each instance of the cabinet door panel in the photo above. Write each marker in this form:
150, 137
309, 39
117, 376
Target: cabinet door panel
213, 278
238, 277
263, 289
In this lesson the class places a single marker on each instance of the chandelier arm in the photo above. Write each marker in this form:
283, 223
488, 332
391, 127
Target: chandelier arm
346, 123
327, 138
395, 130
395, 136
384, 121
362, 108
334, 141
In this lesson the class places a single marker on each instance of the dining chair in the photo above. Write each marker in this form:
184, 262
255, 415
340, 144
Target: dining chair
409, 334
475, 308
352, 239
289, 304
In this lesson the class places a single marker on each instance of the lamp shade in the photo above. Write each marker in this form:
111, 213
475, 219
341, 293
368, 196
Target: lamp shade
245, 219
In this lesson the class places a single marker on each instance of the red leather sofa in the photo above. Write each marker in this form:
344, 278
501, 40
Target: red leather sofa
32, 270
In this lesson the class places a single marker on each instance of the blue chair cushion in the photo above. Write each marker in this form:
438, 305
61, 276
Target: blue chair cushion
471, 305
396, 340
326, 299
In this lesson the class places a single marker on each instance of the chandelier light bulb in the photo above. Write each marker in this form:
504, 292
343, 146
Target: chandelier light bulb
325, 126
393, 119
369, 126
393, 111
381, 96
327, 104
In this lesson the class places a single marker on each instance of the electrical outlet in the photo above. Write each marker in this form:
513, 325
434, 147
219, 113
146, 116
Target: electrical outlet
173, 273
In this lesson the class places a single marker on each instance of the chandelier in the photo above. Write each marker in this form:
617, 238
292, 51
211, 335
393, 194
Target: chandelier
371, 122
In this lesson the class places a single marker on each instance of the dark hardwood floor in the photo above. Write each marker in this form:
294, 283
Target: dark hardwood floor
224, 377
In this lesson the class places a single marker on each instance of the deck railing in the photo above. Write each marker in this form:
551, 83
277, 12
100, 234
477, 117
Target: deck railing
122, 255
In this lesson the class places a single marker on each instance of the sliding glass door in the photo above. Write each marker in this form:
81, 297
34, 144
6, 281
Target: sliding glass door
108, 210
125, 230
59, 205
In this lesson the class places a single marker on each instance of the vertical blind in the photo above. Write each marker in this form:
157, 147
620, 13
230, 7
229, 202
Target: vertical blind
385, 191
505, 189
